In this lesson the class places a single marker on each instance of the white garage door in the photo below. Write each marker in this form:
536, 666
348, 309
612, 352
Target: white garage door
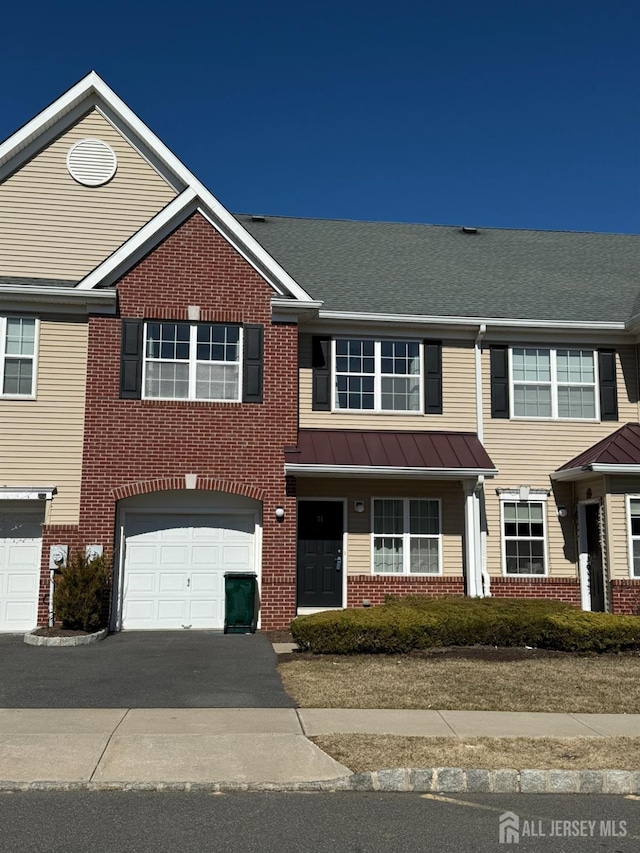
175, 564
20, 549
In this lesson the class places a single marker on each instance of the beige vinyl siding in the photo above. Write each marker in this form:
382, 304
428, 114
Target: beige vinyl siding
53, 227
358, 556
458, 391
41, 439
527, 451
618, 488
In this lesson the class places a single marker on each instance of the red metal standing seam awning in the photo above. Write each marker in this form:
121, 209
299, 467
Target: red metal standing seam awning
617, 453
445, 454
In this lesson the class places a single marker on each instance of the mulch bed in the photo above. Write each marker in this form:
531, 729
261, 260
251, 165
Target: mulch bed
59, 632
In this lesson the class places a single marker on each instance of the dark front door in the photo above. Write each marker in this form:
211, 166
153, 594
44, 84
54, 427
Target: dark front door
320, 529
594, 551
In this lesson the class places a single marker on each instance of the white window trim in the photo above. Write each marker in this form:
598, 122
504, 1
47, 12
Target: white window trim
630, 537
34, 358
377, 377
554, 384
192, 362
406, 539
534, 497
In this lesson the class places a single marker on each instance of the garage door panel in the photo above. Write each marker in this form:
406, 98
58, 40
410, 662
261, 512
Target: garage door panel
182, 582
172, 555
172, 582
172, 609
17, 614
204, 555
22, 583
211, 582
141, 555
236, 558
140, 583
140, 611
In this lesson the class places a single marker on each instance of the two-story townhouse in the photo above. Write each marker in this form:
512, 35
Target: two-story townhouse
347, 409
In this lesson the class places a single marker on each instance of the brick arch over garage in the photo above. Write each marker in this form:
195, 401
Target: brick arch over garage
211, 484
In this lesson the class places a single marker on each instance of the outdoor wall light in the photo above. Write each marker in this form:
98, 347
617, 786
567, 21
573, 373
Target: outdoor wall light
279, 513
563, 512
358, 506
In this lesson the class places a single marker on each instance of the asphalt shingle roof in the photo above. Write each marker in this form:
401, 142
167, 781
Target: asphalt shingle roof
399, 268
22, 281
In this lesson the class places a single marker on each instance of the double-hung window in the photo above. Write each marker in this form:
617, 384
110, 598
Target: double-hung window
378, 376
406, 536
17, 356
524, 537
634, 535
554, 383
192, 361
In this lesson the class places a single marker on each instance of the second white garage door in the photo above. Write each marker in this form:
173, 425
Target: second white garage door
174, 568
20, 547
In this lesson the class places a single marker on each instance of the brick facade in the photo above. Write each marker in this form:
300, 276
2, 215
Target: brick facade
560, 589
625, 597
374, 588
138, 446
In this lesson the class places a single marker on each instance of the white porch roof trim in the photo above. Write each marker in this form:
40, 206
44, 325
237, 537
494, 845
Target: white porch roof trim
27, 493
388, 471
595, 468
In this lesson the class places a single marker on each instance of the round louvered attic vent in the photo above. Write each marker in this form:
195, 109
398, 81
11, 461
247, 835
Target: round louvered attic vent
91, 162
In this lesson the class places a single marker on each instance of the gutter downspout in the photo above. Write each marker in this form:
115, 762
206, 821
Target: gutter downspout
484, 583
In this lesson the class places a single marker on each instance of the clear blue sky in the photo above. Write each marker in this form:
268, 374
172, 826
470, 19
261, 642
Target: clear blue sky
513, 114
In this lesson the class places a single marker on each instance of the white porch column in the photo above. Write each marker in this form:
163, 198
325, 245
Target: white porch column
472, 538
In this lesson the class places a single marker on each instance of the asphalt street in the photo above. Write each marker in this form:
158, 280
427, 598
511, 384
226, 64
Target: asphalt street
136, 822
144, 669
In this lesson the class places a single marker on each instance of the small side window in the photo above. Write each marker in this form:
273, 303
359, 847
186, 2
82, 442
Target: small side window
17, 356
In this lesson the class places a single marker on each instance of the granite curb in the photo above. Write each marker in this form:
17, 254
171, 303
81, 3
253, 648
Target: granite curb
435, 780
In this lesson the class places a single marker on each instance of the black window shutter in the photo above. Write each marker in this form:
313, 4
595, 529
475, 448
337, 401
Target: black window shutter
433, 377
608, 385
499, 382
131, 360
253, 361
321, 364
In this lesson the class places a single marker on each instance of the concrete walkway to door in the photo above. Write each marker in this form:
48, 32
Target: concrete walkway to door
144, 669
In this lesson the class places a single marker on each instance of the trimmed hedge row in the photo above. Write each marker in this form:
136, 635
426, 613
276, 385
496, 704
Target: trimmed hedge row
420, 622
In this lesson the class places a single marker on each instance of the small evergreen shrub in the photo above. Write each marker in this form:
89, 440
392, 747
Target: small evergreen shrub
419, 622
79, 591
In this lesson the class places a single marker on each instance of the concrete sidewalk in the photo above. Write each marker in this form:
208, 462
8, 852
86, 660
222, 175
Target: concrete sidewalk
244, 745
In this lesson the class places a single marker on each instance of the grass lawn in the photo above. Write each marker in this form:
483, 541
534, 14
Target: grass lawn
476, 680
361, 752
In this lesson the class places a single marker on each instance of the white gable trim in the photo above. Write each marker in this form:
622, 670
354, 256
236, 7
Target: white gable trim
137, 245
92, 89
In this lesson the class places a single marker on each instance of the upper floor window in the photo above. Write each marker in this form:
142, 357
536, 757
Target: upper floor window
17, 356
192, 361
554, 383
378, 376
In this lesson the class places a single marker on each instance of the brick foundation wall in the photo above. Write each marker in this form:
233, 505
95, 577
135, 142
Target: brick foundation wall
625, 597
375, 587
560, 589
136, 446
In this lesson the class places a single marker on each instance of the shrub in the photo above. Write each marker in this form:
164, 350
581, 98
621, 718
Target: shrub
419, 622
79, 591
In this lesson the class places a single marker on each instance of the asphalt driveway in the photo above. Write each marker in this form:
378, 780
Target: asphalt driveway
150, 669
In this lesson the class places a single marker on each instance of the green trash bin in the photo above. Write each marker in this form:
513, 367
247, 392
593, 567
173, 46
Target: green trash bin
240, 602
